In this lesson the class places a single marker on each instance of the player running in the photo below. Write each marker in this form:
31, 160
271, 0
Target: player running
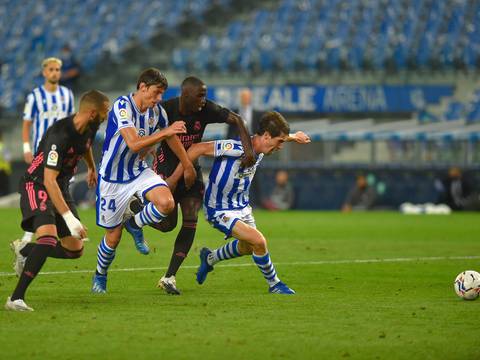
133, 127
226, 197
45, 105
47, 206
197, 112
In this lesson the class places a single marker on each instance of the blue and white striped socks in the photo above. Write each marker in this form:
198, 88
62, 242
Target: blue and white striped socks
227, 251
105, 256
148, 216
265, 265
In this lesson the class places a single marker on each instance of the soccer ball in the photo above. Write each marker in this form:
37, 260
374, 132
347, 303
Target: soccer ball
467, 285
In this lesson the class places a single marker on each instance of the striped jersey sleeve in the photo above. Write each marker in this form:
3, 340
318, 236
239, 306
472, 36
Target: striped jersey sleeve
231, 148
30, 108
122, 114
162, 118
71, 104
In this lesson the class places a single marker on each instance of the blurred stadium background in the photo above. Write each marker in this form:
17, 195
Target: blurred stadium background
385, 88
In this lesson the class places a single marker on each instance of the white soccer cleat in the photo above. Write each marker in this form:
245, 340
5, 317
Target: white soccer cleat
17, 305
19, 262
168, 284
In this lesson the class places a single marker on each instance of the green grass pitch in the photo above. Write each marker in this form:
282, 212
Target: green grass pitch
400, 305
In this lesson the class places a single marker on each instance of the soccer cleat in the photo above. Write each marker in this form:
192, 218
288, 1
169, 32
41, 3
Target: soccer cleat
17, 305
204, 267
19, 262
137, 235
99, 284
169, 285
281, 288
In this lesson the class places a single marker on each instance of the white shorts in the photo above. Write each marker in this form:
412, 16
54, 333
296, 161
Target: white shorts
113, 198
224, 220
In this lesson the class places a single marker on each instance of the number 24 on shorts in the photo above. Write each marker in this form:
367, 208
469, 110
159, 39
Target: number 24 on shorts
111, 204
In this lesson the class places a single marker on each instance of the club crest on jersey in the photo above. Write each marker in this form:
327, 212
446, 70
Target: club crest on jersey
52, 158
151, 121
225, 219
197, 126
141, 132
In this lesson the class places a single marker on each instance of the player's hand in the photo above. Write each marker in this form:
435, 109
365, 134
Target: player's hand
92, 178
74, 225
28, 157
189, 174
178, 127
301, 138
248, 160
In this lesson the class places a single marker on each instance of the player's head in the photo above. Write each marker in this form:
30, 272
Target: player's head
151, 85
95, 104
194, 94
273, 130
52, 70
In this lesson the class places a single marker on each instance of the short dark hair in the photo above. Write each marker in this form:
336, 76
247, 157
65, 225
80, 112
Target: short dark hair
152, 76
94, 97
192, 81
274, 123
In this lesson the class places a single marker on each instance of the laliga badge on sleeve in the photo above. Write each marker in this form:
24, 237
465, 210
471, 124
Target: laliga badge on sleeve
52, 158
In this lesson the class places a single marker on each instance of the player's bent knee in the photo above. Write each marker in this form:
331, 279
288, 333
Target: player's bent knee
259, 243
165, 205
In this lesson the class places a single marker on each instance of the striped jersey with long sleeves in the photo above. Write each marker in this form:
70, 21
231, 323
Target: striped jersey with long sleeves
119, 164
229, 182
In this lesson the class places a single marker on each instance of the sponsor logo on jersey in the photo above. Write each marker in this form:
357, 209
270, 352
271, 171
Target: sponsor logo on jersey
141, 132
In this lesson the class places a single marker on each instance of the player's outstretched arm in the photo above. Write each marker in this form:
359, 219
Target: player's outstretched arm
74, 225
189, 172
194, 152
249, 156
137, 143
299, 137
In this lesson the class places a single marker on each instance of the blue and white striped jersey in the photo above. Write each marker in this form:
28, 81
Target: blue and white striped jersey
44, 108
119, 164
229, 183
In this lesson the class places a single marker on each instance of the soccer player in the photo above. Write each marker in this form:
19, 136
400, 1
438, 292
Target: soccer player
132, 128
226, 197
197, 112
44, 106
45, 201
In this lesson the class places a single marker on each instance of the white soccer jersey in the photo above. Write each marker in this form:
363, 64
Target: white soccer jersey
44, 108
228, 183
119, 164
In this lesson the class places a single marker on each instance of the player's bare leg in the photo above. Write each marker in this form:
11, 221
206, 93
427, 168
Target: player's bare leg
248, 240
47, 245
